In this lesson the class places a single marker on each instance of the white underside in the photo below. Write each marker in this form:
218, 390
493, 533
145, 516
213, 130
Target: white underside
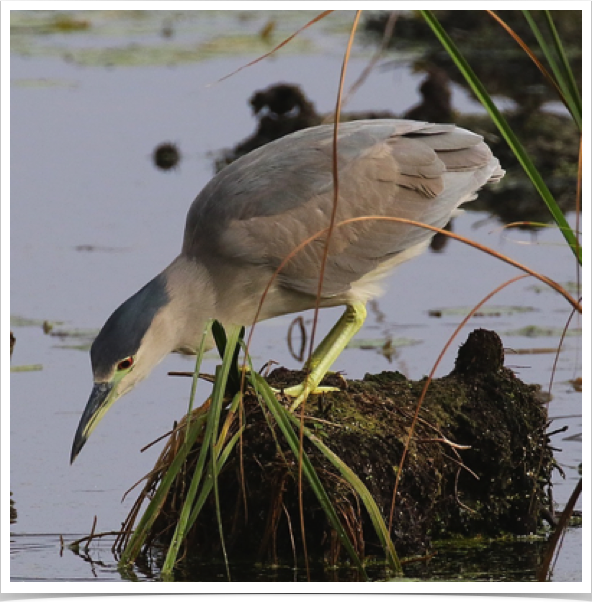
368, 286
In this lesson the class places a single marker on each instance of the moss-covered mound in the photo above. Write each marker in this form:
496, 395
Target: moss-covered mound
478, 463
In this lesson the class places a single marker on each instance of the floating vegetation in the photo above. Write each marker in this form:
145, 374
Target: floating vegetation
51, 328
21, 322
387, 347
533, 332
83, 337
488, 311
161, 37
43, 82
576, 383
13, 513
575, 288
73, 333
27, 368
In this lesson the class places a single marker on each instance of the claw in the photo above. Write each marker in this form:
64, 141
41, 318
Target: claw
301, 392
297, 390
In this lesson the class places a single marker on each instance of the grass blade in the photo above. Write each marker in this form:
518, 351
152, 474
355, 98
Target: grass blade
182, 525
530, 53
207, 448
571, 81
281, 416
234, 375
352, 478
192, 431
198, 360
141, 532
229, 366
570, 92
505, 130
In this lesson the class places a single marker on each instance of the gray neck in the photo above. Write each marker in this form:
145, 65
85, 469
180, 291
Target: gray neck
191, 302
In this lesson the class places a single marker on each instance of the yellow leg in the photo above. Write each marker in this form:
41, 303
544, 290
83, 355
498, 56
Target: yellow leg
328, 351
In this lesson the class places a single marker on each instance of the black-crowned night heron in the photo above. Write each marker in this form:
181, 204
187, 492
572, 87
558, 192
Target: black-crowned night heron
258, 209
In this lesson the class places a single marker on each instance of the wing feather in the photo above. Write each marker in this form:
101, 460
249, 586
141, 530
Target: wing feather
258, 209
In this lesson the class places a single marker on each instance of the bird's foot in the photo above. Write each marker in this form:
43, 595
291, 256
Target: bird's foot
298, 390
301, 391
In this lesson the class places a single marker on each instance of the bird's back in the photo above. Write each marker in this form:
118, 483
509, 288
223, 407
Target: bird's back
256, 210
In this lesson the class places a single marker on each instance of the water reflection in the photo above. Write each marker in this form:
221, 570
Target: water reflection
510, 561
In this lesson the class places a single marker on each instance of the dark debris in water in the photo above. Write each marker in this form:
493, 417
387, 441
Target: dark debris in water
283, 109
166, 156
503, 67
551, 140
13, 513
280, 109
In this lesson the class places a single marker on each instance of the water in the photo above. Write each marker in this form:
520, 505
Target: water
92, 220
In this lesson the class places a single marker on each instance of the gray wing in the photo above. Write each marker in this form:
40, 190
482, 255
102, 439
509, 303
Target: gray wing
259, 208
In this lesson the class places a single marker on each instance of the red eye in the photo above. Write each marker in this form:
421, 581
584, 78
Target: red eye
128, 362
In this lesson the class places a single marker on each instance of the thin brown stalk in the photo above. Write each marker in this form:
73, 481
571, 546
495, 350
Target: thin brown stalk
531, 54
323, 264
558, 351
543, 572
92, 534
90, 537
335, 180
558, 288
445, 441
533, 500
291, 535
280, 45
386, 38
461, 464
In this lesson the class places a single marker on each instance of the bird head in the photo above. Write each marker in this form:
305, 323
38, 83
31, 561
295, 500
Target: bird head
135, 338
